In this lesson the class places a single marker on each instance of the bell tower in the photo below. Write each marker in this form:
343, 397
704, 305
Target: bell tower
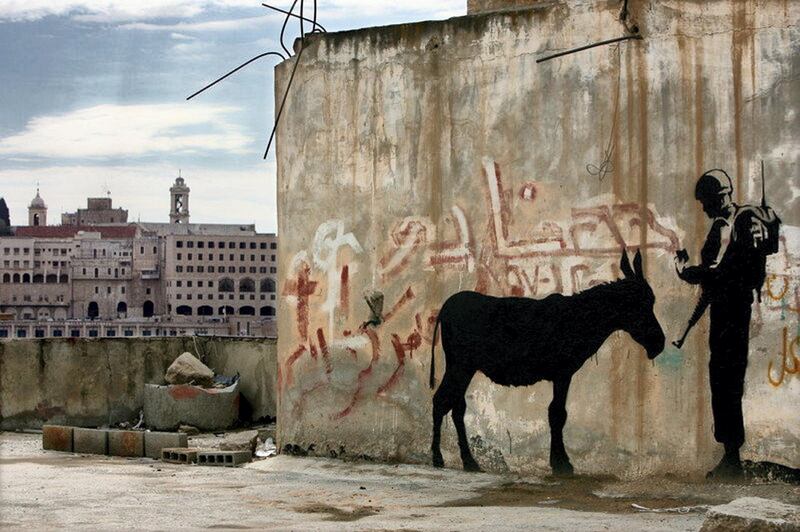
179, 202
37, 211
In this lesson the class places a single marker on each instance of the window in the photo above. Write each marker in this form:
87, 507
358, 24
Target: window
263, 245
242, 269
179, 244
199, 256
231, 245
141, 250
201, 245
273, 270
148, 290
221, 245
252, 269
190, 269
242, 245
210, 269
231, 269
252, 257
262, 269
230, 257
178, 283
190, 244
211, 245
263, 258
241, 258
179, 269
179, 256
247, 285
188, 284
155, 250
226, 284
273, 245
199, 284
272, 258
189, 256
252, 245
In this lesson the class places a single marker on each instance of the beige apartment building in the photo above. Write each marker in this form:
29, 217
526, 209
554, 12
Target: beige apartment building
113, 278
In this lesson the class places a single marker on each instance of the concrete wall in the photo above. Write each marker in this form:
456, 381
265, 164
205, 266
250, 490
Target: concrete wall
424, 159
98, 382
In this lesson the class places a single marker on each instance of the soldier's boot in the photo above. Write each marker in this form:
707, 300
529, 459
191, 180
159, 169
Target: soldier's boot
730, 467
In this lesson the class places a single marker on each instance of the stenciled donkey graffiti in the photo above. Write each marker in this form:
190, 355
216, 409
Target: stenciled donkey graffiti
518, 341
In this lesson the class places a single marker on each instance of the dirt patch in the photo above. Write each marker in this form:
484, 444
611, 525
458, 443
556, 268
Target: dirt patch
587, 494
339, 514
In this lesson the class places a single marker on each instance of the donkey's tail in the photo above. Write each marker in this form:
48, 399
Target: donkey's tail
433, 349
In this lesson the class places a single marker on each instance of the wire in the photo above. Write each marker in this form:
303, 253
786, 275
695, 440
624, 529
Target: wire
283, 29
236, 70
285, 95
317, 26
606, 165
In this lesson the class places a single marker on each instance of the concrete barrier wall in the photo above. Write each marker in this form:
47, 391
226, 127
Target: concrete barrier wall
419, 160
98, 382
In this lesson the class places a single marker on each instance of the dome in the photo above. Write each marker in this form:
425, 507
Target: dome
38, 202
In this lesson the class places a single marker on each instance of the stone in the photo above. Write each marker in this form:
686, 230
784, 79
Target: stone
126, 443
89, 441
57, 438
240, 441
154, 442
179, 455
187, 369
208, 409
752, 514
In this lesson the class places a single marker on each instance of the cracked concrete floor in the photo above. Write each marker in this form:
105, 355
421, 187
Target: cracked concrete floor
41, 489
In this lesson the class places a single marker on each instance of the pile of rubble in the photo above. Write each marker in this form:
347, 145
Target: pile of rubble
194, 399
194, 395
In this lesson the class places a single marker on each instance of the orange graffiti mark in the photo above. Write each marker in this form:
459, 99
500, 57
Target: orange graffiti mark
790, 363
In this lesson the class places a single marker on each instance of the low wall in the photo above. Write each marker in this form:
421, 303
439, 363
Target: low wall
93, 382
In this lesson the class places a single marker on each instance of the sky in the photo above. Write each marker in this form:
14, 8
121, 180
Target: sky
93, 100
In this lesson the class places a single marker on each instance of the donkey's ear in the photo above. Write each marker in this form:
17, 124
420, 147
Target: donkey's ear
637, 264
625, 265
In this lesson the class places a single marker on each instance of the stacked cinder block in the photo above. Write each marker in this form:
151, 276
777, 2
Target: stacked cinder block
128, 443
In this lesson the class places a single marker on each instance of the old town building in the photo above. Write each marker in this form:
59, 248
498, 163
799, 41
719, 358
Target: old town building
97, 275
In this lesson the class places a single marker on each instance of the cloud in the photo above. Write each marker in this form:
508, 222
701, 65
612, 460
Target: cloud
210, 25
241, 196
112, 10
106, 131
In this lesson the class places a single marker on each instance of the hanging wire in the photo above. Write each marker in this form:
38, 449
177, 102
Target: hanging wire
317, 26
283, 29
288, 85
236, 70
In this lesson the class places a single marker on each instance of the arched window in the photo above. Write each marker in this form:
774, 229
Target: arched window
148, 309
183, 310
38, 278
267, 285
267, 311
93, 310
226, 311
6, 277
16, 278
226, 284
122, 309
52, 278
247, 311
26, 278
247, 285
205, 310
64, 278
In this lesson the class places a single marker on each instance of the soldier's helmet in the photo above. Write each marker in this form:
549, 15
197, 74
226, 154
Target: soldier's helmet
713, 183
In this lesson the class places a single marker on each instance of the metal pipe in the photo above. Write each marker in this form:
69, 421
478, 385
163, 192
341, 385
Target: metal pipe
593, 45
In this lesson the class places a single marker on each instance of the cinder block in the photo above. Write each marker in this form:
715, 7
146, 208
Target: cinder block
57, 438
126, 443
155, 441
89, 441
223, 458
179, 455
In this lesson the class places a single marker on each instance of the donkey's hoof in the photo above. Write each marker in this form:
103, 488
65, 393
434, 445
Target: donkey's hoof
438, 461
472, 466
563, 470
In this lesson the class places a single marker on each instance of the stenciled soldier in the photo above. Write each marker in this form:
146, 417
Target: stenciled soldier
732, 268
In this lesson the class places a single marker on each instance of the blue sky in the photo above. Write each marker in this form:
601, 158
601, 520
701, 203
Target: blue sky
92, 98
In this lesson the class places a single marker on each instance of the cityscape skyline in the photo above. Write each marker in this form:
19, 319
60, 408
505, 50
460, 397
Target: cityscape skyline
94, 95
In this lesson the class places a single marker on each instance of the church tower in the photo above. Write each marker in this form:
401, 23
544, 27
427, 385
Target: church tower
37, 211
179, 202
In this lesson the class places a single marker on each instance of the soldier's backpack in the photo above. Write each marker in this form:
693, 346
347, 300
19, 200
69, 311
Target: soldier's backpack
755, 235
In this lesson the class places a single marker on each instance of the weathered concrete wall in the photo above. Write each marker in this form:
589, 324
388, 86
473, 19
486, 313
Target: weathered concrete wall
95, 382
420, 160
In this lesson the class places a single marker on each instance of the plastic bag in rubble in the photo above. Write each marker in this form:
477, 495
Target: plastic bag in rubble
266, 449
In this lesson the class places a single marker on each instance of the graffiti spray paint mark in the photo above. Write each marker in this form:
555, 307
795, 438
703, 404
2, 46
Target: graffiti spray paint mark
790, 362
